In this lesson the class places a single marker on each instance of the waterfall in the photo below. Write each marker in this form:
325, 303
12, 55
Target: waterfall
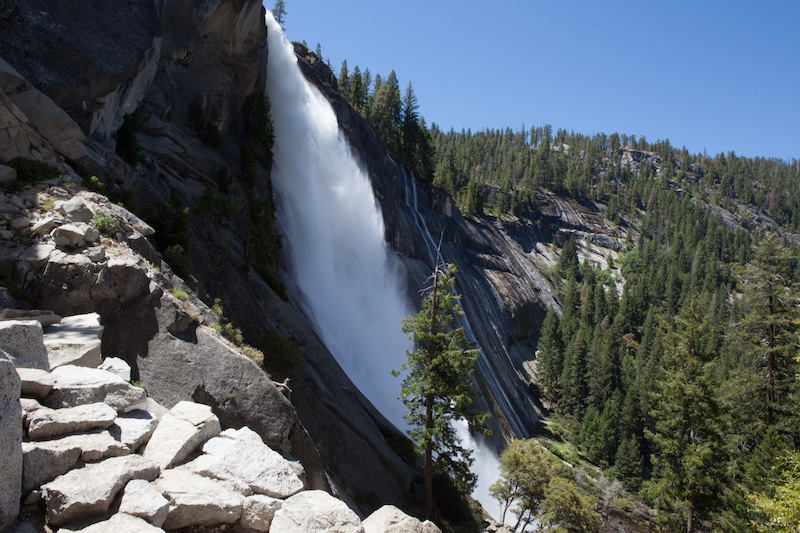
343, 275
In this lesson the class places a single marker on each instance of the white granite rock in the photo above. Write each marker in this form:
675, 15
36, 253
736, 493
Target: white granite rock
23, 342
197, 501
44, 461
143, 500
76, 385
118, 523
117, 366
75, 340
133, 428
181, 431
76, 210
88, 491
244, 455
315, 511
68, 235
258, 511
36, 383
390, 519
49, 423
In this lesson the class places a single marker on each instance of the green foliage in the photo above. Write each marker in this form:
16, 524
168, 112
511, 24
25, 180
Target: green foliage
171, 237
215, 207
263, 244
225, 327
778, 510
256, 355
31, 171
526, 469
567, 510
127, 144
104, 223
437, 390
283, 354
93, 183
689, 428
279, 12
259, 131
180, 294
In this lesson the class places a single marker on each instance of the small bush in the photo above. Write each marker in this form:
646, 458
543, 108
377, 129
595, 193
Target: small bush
179, 294
104, 223
32, 171
93, 183
282, 354
253, 353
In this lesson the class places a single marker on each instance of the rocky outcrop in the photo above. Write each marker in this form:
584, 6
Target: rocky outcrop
390, 519
185, 427
315, 511
22, 342
10, 442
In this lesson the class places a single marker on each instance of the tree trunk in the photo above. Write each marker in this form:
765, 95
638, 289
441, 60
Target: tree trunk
429, 422
429, 459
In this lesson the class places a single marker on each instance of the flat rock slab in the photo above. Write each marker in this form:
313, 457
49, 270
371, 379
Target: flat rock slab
50, 423
245, 457
74, 341
23, 341
143, 500
118, 523
117, 366
390, 519
197, 501
88, 491
181, 431
36, 383
258, 512
42, 462
315, 511
133, 428
75, 385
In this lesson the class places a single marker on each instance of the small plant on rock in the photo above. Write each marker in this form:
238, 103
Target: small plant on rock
104, 223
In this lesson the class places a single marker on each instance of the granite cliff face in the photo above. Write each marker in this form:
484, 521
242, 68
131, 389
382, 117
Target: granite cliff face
179, 70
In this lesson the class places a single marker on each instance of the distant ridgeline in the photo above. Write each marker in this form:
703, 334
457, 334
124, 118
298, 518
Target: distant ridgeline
684, 387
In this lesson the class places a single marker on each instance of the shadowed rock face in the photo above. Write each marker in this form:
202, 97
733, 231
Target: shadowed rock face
114, 40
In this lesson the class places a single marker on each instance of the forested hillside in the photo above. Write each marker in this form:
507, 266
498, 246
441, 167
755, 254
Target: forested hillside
684, 386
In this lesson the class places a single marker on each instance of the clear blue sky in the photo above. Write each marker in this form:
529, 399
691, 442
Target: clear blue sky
708, 75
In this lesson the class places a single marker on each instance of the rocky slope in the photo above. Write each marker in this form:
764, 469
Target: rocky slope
99, 455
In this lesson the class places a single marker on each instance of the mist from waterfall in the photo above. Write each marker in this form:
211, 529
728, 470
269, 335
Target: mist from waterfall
343, 275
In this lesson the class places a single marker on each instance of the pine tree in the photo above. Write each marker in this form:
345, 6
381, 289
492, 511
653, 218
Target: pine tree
279, 12
550, 356
688, 431
357, 94
767, 332
344, 81
438, 390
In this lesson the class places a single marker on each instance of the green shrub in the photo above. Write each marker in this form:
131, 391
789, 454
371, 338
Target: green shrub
215, 207
282, 354
179, 294
104, 223
93, 183
32, 171
253, 353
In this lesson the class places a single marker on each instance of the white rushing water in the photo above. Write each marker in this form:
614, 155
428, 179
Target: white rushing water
343, 273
